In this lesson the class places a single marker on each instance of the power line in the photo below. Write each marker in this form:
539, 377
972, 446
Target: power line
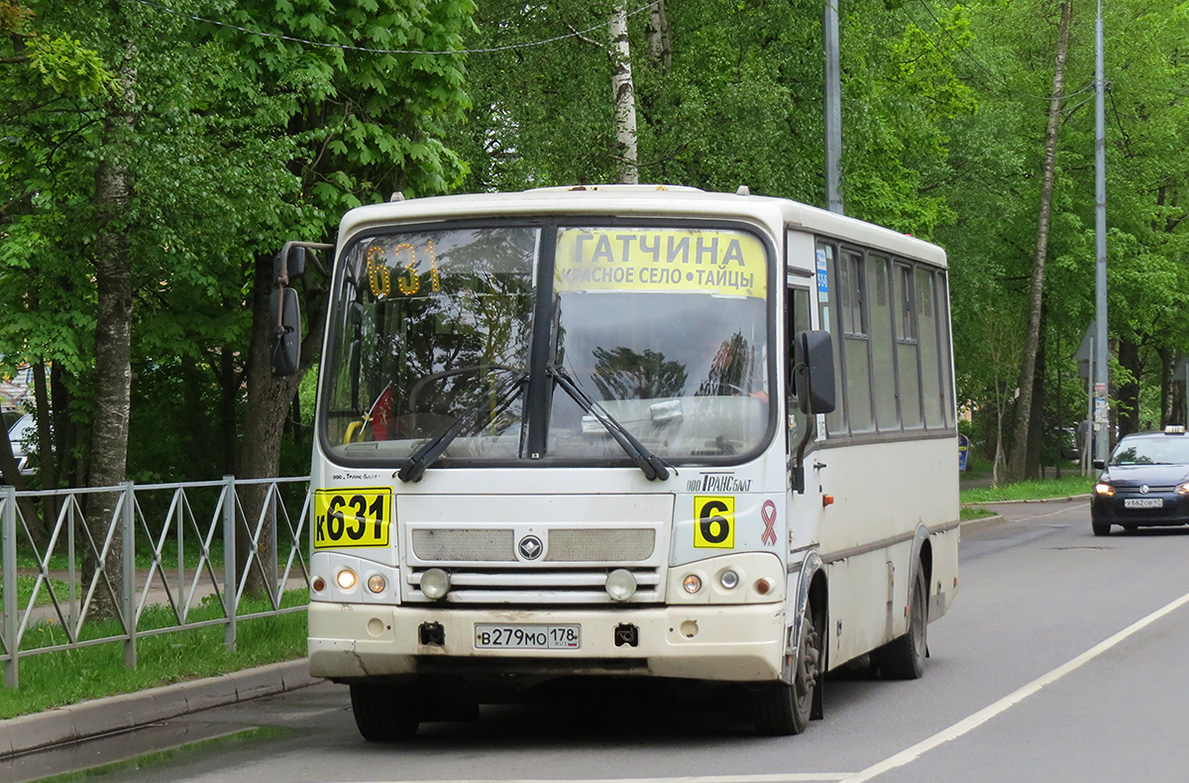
368, 50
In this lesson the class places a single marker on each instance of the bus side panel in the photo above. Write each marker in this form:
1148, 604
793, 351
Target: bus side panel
882, 494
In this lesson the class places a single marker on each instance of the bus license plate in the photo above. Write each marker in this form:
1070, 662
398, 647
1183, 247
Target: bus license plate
522, 636
1143, 503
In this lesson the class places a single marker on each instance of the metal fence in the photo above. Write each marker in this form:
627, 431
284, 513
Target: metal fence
177, 559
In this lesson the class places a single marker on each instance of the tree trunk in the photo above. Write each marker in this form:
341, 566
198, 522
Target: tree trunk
660, 48
625, 98
1176, 392
1017, 461
1128, 399
1032, 463
113, 338
1168, 365
268, 404
65, 432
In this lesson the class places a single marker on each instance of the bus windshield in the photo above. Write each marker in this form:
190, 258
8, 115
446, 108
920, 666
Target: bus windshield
660, 333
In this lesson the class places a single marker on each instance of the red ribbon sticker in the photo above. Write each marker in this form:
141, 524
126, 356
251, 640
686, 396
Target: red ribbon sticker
768, 512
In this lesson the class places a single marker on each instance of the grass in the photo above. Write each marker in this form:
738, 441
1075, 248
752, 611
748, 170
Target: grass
1038, 489
60, 678
25, 590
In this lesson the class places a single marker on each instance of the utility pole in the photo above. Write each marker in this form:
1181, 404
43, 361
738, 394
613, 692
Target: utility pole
1101, 399
833, 108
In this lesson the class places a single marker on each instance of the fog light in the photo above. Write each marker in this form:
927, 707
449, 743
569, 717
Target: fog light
729, 579
346, 578
376, 583
692, 583
621, 584
319, 584
764, 586
435, 583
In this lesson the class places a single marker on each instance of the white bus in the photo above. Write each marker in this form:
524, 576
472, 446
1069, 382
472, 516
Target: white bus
625, 431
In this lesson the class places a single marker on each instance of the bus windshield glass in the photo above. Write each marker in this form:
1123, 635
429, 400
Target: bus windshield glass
431, 327
659, 333
666, 331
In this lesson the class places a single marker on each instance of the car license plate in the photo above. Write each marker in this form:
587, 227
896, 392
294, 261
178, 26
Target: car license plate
1143, 503
523, 636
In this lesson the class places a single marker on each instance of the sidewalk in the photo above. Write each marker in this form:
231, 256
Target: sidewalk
88, 719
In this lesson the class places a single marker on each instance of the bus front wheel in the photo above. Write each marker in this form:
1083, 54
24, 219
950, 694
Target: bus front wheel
384, 712
779, 708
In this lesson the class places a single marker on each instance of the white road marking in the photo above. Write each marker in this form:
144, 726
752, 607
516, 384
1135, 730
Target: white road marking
782, 777
982, 716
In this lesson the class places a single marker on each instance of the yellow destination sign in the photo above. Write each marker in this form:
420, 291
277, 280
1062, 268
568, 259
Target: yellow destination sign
727, 263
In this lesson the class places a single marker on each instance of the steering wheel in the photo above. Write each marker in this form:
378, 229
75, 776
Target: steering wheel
417, 387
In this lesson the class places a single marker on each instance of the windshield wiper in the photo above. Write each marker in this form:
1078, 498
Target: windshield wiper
645, 460
478, 416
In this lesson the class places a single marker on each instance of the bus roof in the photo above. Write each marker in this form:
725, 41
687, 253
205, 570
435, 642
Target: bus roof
642, 201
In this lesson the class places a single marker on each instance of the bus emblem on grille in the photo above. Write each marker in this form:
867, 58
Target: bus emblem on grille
530, 547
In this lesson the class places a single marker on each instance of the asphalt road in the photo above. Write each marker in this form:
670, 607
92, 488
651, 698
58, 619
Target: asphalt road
1061, 660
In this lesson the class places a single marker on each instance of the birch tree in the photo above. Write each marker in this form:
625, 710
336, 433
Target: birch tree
1019, 451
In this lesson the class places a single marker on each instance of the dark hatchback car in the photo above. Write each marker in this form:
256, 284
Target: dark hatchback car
1146, 483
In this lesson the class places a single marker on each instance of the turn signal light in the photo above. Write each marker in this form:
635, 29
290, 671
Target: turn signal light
764, 586
692, 583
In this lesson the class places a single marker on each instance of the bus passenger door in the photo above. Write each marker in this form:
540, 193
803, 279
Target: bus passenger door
804, 509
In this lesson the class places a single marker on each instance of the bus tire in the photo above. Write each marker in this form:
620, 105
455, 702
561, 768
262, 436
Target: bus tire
903, 658
384, 712
781, 709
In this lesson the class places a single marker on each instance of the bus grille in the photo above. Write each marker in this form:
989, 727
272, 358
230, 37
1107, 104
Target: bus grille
565, 545
537, 586
486, 568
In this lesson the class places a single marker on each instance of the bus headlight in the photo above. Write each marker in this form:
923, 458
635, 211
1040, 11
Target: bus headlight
346, 579
621, 584
376, 583
435, 583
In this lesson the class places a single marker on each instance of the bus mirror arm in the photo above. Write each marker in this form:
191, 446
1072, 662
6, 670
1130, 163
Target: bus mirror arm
284, 305
797, 467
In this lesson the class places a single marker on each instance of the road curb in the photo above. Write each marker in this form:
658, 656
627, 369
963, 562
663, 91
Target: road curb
77, 722
1067, 499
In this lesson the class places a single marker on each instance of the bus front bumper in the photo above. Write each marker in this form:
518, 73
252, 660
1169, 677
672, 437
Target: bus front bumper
736, 643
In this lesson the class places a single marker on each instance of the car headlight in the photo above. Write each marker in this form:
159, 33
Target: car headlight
1183, 489
1105, 489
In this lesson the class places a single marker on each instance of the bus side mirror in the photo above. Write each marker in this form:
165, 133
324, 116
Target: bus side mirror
813, 371
286, 346
288, 264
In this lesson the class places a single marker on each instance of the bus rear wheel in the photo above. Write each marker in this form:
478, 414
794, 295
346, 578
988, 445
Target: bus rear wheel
779, 708
384, 712
903, 658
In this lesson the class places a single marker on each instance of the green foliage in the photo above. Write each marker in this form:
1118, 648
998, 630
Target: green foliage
57, 679
1036, 489
64, 65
